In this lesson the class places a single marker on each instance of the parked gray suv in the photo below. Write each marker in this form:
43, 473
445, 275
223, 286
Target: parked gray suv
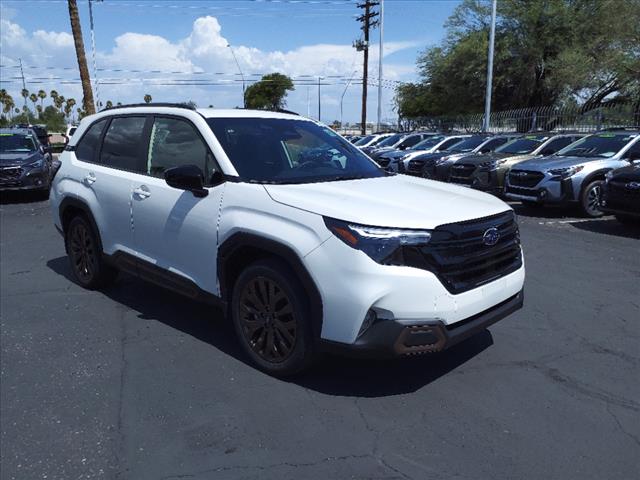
576, 174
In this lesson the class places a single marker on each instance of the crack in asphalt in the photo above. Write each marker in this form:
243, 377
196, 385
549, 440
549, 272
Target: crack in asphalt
621, 428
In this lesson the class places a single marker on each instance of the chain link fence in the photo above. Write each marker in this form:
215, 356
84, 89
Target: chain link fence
533, 119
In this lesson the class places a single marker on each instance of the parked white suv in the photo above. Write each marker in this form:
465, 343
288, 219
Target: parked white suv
307, 242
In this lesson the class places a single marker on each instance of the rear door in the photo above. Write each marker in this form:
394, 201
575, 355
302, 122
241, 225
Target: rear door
107, 154
173, 229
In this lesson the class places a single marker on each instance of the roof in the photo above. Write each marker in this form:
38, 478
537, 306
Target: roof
20, 131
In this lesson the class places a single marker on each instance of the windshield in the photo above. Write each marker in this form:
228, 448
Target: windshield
16, 143
521, 146
467, 144
273, 150
428, 143
390, 141
364, 140
599, 145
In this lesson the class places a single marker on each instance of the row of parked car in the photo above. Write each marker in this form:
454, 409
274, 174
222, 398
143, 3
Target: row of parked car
599, 172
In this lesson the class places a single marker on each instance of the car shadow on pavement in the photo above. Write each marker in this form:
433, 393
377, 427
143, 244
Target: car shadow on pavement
331, 375
609, 226
11, 197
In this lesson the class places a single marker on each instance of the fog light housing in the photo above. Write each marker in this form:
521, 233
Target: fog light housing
369, 319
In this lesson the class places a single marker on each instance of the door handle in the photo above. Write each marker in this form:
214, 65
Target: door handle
142, 191
90, 179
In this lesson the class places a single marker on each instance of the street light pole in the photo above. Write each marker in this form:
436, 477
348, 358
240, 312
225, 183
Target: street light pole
342, 96
492, 37
380, 64
244, 102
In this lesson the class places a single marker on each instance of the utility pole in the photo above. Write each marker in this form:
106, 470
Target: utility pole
381, 31
24, 85
93, 54
244, 100
368, 21
319, 117
492, 37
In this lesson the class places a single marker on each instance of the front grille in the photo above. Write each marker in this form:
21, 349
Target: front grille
460, 258
383, 162
462, 173
619, 196
415, 167
10, 174
525, 178
521, 191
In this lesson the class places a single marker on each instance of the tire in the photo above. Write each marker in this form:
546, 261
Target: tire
628, 220
590, 199
271, 316
85, 255
530, 204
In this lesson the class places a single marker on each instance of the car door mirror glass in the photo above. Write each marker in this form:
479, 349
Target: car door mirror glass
186, 177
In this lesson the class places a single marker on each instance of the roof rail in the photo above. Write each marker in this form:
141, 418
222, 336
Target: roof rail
282, 110
152, 104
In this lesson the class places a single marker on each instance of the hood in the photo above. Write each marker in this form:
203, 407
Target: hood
627, 174
16, 159
396, 201
547, 163
478, 158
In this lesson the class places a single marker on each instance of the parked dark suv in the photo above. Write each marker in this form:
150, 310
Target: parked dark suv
25, 164
621, 194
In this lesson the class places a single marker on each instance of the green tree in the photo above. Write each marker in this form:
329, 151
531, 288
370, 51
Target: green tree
109, 104
547, 52
59, 102
53, 94
147, 98
53, 119
269, 93
25, 94
34, 99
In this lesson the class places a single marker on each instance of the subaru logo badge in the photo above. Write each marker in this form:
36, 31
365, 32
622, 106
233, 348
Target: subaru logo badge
633, 186
491, 237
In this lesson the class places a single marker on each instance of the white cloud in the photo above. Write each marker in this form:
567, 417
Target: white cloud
203, 55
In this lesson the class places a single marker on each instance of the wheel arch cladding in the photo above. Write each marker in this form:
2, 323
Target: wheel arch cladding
72, 207
242, 249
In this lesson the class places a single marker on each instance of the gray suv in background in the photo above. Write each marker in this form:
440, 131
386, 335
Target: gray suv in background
576, 174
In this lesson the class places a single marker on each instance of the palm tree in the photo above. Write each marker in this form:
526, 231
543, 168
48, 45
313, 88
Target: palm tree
53, 94
25, 93
8, 105
34, 98
109, 104
59, 102
39, 110
82, 59
42, 95
68, 108
147, 98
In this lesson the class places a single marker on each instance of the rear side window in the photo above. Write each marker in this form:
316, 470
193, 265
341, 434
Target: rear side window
176, 142
122, 146
88, 145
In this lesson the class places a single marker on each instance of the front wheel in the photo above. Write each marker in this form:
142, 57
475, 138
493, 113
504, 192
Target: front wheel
590, 199
271, 317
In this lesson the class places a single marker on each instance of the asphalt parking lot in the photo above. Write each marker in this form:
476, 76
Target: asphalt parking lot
139, 383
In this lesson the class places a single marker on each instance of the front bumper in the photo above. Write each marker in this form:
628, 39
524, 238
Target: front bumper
29, 179
551, 191
392, 338
351, 284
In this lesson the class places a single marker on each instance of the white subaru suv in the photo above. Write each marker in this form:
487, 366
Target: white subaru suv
308, 244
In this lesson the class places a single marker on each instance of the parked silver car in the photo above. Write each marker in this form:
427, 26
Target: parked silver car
576, 174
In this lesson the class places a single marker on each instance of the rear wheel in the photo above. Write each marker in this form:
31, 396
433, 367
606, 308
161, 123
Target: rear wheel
271, 317
590, 199
85, 255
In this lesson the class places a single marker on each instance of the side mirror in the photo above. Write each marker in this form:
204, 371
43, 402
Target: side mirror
187, 177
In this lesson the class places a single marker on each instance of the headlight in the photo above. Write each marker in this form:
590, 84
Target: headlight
566, 172
442, 160
493, 164
383, 245
36, 164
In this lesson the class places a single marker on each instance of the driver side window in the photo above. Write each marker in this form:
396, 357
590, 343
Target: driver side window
174, 142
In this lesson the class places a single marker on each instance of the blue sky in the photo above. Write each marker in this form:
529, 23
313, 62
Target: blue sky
304, 37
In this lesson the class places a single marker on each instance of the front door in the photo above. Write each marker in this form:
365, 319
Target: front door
174, 229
